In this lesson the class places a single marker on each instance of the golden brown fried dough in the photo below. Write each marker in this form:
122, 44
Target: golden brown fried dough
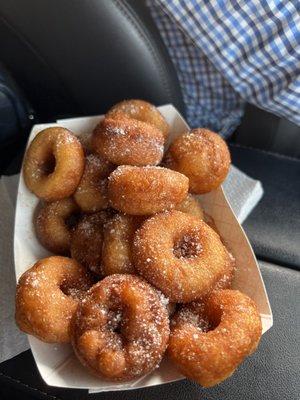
209, 340
121, 329
54, 164
146, 190
47, 297
202, 156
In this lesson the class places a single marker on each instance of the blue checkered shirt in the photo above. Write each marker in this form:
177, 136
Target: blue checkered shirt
227, 53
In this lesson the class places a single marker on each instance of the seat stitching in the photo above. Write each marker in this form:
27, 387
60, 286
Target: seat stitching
29, 387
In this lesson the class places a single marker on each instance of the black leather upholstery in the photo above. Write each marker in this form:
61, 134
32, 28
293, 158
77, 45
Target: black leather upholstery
274, 226
263, 130
271, 373
15, 115
80, 57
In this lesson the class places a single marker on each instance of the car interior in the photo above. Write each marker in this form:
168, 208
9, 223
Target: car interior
62, 59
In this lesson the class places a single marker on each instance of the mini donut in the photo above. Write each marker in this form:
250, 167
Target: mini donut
201, 155
191, 205
47, 296
53, 164
87, 240
171, 307
86, 142
210, 340
146, 190
142, 111
53, 225
180, 255
128, 141
120, 330
116, 250
91, 193
225, 282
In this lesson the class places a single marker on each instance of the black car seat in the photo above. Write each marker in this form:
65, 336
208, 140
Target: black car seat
73, 58
15, 118
78, 57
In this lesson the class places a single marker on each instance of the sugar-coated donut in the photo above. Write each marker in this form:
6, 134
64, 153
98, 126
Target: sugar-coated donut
180, 255
87, 240
128, 141
91, 193
191, 205
47, 296
171, 307
53, 164
86, 142
116, 250
225, 282
209, 340
120, 330
146, 190
53, 225
142, 111
202, 156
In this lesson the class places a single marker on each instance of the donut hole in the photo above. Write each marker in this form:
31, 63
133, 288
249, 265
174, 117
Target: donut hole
73, 289
72, 220
211, 320
48, 165
114, 322
204, 322
187, 246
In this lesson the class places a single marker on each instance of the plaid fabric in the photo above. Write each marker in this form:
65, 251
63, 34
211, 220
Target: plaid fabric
230, 52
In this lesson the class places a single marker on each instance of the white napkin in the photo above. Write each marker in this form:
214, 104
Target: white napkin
242, 192
12, 341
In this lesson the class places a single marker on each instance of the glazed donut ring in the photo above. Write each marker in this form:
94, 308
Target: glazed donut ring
202, 156
128, 141
51, 225
91, 193
208, 341
142, 111
87, 240
145, 190
47, 296
121, 330
191, 205
180, 255
116, 250
53, 164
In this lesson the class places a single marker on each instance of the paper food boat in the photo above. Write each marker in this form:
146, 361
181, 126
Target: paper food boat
56, 363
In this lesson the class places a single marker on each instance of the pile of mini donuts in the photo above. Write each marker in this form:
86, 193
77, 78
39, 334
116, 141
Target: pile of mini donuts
138, 270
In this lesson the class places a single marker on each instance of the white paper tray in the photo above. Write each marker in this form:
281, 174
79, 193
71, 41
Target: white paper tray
56, 363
